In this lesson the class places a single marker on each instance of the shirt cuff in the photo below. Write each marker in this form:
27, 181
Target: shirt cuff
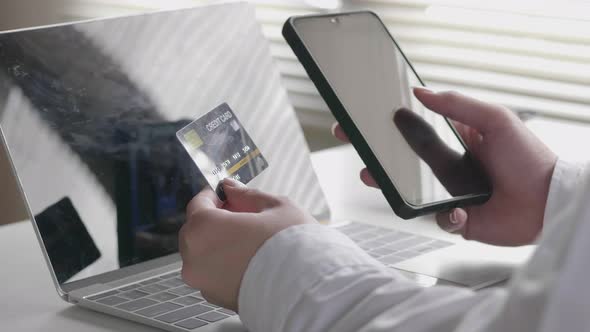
567, 182
287, 264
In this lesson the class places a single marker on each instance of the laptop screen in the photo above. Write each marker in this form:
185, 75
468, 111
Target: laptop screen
90, 111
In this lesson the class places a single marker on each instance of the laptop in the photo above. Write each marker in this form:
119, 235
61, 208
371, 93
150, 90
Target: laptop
89, 113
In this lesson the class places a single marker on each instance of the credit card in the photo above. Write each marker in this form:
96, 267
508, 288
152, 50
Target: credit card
221, 148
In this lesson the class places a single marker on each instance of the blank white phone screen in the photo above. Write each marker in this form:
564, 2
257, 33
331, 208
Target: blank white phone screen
416, 147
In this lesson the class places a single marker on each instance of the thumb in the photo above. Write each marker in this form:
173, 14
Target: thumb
240, 198
454, 221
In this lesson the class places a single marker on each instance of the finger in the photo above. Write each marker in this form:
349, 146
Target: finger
462, 129
243, 199
465, 132
205, 200
454, 221
368, 179
470, 111
338, 132
210, 299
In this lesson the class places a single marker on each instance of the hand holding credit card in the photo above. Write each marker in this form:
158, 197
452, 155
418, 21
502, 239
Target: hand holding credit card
220, 147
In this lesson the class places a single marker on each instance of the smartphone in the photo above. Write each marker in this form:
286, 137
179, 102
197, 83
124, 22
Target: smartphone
416, 156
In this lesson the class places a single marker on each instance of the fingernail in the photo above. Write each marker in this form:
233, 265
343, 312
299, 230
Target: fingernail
458, 216
231, 182
453, 217
423, 90
333, 128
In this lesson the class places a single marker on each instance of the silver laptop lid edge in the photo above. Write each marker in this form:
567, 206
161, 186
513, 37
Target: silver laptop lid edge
61, 292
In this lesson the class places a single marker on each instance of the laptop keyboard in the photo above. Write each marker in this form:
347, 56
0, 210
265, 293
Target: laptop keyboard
168, 299
390, 246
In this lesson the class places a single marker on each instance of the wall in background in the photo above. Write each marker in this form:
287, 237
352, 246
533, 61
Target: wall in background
16, 14
11, 203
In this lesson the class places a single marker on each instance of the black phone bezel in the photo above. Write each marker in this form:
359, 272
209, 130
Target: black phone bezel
400, 206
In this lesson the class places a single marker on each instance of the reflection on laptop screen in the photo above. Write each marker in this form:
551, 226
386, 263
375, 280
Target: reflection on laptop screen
87, 115
90, 112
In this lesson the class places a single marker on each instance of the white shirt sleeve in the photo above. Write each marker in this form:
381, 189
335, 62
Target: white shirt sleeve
312, 278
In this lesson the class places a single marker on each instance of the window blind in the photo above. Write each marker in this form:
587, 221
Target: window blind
532, 56
529, 55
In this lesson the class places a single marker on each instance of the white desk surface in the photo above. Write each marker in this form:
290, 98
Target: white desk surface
29, 302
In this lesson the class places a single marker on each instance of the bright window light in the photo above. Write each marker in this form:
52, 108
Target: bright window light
551, 18
325, 4
569, 9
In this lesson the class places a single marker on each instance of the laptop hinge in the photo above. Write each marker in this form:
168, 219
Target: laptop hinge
80, 293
